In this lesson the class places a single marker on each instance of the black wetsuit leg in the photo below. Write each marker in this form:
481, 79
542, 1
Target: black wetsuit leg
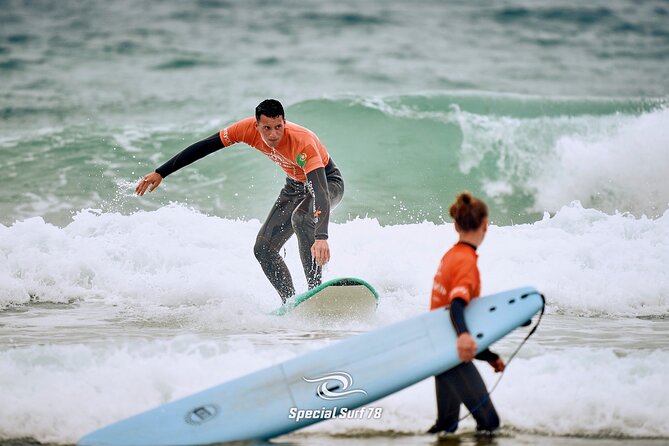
292, 213
274, 233
463, 384
304, 226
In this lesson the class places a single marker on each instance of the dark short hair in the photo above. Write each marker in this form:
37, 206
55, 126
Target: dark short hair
270, 108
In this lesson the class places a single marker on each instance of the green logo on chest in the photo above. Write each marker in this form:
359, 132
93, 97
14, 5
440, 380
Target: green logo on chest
301, 159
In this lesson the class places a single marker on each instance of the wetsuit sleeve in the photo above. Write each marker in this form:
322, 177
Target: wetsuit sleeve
191, 154
487, 355
457, 313
317, 184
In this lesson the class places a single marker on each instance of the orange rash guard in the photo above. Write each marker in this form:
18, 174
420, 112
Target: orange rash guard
299, 152
457, 276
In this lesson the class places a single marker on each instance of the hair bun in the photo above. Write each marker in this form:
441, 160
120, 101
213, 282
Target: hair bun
468, 211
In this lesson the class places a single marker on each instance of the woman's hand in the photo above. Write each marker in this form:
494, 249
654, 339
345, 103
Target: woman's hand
498, 365
466, 347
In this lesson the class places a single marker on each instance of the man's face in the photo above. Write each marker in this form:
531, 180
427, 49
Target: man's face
271, 130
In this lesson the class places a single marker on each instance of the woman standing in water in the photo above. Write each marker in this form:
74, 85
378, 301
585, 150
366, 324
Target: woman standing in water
456, 283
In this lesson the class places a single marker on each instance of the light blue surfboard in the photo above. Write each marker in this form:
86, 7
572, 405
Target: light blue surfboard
347, 374
345, 298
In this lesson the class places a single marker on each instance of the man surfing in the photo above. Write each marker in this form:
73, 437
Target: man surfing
314, 186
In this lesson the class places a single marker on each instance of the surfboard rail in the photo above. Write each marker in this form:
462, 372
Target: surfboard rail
299, 299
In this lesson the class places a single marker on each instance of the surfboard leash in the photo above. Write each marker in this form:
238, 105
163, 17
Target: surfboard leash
513, 355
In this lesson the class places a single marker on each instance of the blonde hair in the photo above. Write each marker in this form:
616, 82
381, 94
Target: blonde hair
468, 211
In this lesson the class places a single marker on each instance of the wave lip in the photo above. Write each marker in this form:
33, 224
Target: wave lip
523, 154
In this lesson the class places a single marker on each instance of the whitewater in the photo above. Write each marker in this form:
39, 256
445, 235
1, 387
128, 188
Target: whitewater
125, 312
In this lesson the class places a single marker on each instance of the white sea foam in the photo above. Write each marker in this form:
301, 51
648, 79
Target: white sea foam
60, 392
124, 286
623, 170
615, 162
583, 259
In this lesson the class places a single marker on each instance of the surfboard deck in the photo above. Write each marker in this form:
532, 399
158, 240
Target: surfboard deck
344, 298
346, 374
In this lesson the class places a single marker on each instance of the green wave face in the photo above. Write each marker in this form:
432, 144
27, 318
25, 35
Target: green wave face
405, 158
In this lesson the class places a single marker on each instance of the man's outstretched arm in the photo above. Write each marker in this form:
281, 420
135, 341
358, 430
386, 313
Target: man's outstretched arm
187, 156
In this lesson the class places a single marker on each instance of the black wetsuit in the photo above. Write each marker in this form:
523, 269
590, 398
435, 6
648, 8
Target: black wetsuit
302, 209
293, 212
463, 385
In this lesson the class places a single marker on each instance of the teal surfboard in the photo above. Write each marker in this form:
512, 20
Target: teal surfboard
322, 384
347, 298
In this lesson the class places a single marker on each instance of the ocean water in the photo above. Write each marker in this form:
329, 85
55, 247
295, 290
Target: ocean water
554, 112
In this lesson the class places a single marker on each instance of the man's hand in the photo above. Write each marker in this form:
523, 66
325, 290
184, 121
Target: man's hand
498, 365
149, 181
466, 347
320, 252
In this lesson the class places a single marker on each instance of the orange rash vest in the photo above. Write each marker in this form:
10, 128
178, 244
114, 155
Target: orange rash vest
299, 152
457, 276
